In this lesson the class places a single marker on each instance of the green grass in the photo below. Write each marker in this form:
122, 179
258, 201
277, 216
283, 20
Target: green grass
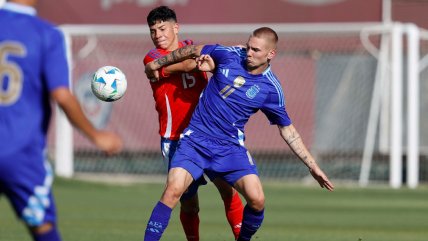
101, 212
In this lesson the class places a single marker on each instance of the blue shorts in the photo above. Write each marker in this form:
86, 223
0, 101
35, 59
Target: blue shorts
168, 148
26, 179
217, 158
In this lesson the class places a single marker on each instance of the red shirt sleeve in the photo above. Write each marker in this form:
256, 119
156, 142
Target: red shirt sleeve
151, 55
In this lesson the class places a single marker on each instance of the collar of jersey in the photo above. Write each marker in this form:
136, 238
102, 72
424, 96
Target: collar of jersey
19, 8
266, 70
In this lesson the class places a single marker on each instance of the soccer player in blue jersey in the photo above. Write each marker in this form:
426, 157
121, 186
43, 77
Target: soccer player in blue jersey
33, 71
176, 96
242, 83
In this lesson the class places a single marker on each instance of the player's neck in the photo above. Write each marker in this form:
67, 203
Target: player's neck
175, 45
258, 70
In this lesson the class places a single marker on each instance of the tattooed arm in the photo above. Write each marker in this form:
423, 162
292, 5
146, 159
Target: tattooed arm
178, 55
293, 139
295, 142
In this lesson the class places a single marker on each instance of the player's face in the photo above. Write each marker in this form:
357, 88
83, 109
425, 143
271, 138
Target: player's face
164, 35
259, 53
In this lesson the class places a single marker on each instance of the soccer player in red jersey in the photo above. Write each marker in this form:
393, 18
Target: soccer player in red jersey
176, 95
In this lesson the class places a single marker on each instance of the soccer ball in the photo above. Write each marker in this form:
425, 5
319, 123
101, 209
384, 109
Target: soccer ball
108, 83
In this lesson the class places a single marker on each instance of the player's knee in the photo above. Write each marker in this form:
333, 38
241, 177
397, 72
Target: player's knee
226, 191
227, 194
257, 203
190, 205
172, 194
189, 209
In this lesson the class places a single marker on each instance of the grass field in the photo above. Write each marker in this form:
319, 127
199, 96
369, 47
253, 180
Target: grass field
101, 212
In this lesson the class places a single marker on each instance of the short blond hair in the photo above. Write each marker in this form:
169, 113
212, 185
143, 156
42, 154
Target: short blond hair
267, 33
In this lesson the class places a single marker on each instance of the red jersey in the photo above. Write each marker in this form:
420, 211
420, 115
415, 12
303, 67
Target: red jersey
176, 96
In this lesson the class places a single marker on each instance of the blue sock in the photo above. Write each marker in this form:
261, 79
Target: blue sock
51, 235
158, 222
251, 222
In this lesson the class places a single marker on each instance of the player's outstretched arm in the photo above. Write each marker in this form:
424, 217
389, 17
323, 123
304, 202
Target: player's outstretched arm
188, 65
107, 141
293, 139
202, 63
178, 55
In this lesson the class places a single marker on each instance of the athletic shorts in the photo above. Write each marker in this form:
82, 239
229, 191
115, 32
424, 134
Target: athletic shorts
168, 148
26, 180
218, 158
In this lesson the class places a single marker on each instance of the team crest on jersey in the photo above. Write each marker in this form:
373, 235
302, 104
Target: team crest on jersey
252, 91
238, 82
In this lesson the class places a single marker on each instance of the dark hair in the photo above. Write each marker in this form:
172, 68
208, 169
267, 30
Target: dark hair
162, 13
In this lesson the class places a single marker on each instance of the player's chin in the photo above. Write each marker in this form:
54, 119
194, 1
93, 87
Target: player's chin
251, 66
162, 45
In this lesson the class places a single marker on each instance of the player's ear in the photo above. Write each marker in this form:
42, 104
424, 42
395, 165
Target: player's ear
271, 54
176, 27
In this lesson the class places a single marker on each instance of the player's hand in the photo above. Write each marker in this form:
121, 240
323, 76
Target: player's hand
205, 63
321, 178
152, 72
108, 142
154, 77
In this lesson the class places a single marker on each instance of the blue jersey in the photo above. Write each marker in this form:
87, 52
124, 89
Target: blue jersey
32, 64
233, 95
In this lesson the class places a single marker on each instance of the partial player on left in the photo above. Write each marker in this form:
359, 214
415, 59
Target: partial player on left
33, 71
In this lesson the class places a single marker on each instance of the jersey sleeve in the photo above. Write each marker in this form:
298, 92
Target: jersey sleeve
274, 109
151, 55
187, 42
223, 54
155, 53
55, 66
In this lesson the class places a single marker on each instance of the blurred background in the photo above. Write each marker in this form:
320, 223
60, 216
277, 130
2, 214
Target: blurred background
237, 11
355, 82
339, 62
